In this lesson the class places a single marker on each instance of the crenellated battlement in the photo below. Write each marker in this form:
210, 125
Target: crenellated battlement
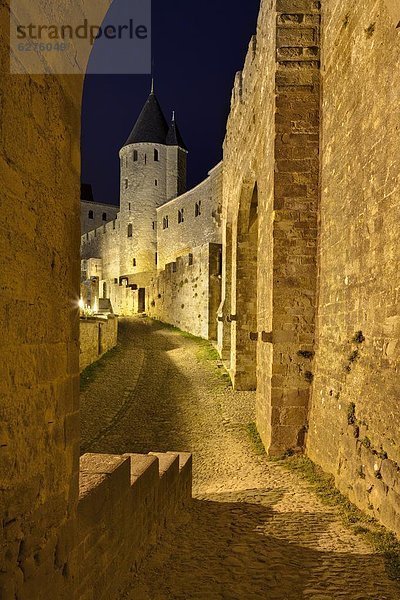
125, 502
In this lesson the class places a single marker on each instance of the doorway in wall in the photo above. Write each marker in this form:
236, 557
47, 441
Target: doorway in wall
142, 300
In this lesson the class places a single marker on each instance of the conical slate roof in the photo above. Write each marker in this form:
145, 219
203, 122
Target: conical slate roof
151, 125
174, 137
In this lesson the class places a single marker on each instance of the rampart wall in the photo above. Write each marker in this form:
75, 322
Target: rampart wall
201, 219
187, 293
323, 183
95, 214
354, 421
96, 336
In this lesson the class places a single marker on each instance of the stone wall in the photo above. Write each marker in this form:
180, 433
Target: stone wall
200, 226
52, 542
39, 318
114, 258
354, 421
270, 191
102, 213
125, 502
97, 336
188, 292
324, 319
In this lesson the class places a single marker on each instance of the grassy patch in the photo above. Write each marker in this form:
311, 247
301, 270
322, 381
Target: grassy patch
90, 373
255, 438
208, 354
383, 541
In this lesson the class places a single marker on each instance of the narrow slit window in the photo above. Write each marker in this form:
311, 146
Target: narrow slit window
135, 156
197, 209
181, 216
130, 230
165, 222
126, 183
104, 216
156, 155
91, 215
134, 262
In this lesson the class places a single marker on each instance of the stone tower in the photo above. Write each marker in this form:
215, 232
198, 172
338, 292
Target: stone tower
153, 171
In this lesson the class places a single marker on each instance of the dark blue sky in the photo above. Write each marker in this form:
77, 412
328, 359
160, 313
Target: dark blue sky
197, 49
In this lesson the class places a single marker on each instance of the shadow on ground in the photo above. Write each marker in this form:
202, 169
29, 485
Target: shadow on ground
133, 403
242, 549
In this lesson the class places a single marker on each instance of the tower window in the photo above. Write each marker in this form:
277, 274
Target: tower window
104, 216
154, 224
126, 183
165, 222
129, 205
91, 216
130, 230
156, 182
181, 216
145, 159
114, 224
135, 155
190, 259
156, 258
197, 209
134, 262
156, 155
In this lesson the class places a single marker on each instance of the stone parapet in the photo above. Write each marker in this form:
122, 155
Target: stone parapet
125, 502
97, 336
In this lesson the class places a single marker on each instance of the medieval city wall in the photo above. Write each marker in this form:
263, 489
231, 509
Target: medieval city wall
332, 331
270, 215
116, 251
97, 336
55, 519
39, 318
196, 229
102, 213
103, 243
354, 421
187, 293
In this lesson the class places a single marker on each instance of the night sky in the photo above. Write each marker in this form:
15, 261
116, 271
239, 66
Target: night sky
197, 49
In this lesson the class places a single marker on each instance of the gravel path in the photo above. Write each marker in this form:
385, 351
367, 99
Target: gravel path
254, 531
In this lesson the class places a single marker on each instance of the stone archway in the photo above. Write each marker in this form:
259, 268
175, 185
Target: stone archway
244, 291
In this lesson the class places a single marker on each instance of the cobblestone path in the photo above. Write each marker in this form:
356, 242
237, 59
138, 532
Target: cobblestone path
254, 531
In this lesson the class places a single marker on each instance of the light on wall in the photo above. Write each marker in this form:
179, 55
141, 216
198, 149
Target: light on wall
393, 7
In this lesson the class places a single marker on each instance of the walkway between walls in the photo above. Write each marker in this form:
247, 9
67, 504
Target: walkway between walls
255, 531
